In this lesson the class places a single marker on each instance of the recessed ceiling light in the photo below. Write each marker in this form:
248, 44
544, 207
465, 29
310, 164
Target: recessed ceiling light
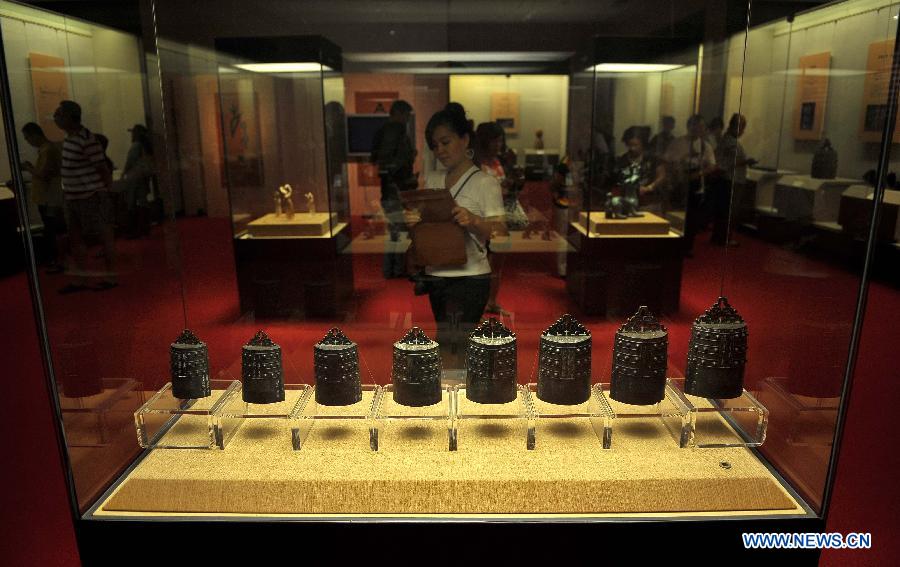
306, 67
633, 67
461, 56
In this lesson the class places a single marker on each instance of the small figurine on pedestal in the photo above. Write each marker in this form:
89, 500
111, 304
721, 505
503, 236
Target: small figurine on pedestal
286, 192
620, 207
310, 203
278, 209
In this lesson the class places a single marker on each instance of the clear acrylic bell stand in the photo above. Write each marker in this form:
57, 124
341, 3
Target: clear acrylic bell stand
167, 422
673, 411
807, 421
507, 421
413, 423
716, 423
95, 420
232, 412
340, 420
595, 410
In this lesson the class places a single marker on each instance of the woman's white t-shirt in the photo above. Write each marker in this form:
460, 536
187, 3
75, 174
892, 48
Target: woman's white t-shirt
481, 195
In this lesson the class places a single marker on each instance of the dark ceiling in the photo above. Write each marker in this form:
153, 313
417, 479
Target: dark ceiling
429, 25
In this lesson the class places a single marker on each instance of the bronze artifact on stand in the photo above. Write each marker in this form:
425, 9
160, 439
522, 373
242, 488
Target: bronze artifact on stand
336, 365
491, 364
416, 370
564, 363
189, 366
824, 161
620, 208
639, 360
717, 353
261, 371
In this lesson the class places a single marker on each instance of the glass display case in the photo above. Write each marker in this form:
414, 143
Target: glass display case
684, 210
284, 161
629, 197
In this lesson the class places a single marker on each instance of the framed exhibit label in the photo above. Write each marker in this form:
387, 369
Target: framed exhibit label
50, 84
875, 92
812, 94
505, 111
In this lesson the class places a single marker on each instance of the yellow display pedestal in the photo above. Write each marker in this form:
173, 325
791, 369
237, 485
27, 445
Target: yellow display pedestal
301, 224
645, 225
567, 473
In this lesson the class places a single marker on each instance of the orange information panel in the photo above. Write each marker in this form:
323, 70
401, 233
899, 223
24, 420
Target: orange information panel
50, 85
812, 94
505, 111
875, 92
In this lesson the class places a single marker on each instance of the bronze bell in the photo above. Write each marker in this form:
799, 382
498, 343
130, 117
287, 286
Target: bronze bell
717, 353
336, 366
416, 370
261, 371
189, 366
640, 351
564, 363
491, 366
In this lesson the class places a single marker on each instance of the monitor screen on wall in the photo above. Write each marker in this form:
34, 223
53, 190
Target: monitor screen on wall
361, 129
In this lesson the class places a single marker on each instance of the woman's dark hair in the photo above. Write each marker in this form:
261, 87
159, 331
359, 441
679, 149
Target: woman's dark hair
486, 133
453, 117
642, 133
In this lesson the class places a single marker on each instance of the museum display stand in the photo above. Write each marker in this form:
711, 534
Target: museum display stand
353, 420
560, 420
433, 425
232, 413
167, 422
611, 273
94, 418
735, 422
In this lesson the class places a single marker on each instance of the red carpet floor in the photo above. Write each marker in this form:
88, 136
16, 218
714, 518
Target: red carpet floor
799, 312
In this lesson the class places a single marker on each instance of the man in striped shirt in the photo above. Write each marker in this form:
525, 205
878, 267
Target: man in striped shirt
86, 178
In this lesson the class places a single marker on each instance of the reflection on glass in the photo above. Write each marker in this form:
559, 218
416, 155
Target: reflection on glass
807, 93
97, 214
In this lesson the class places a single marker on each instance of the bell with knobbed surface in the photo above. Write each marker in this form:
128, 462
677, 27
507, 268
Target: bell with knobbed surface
262, 373
564, 363
491, 366
640, 351
717, 353
336, 368
189, 366
416, 370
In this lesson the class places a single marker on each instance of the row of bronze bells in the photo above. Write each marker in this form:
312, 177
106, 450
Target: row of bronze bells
716, 359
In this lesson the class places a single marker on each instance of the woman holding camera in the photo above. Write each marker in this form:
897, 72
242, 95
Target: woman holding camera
458, 294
